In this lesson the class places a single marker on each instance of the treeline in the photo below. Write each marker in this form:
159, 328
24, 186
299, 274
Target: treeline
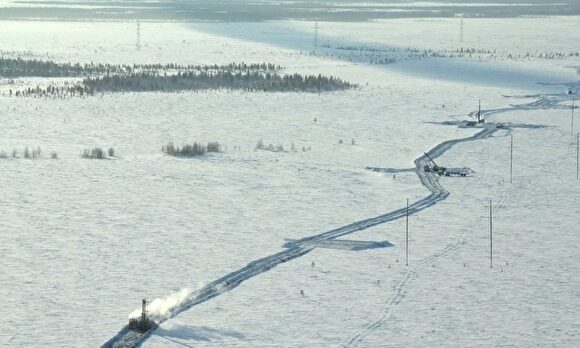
53, 91
27, 153
253, 81
190, 150
18, 67
192, 81
388, 55
97, 153
494, 54
99, 78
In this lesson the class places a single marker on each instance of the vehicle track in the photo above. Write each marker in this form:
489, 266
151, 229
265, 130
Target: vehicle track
127, 338
433, 185
401, 288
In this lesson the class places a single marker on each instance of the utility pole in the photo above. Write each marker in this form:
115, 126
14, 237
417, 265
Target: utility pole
407, 235
490, 235
572, 119
577, 151
490, 217
511, 156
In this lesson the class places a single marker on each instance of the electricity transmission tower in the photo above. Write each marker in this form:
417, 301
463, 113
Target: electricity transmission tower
138, 43
316, 34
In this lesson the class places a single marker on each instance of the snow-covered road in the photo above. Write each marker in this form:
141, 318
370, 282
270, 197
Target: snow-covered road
128, 338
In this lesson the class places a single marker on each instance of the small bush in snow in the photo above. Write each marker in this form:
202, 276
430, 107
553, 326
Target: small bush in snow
94, 153
270, 147
213, 147
36, 153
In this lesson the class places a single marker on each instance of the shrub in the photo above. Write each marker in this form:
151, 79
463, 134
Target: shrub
213, 147
36, 153
111, 152
270, 147
260, 145
94, 153
53, 155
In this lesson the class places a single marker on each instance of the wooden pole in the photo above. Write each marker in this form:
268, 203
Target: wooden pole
577, 151
572, 119
511, 156
490, 235
407, 235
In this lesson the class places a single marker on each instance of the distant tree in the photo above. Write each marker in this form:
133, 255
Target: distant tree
93, 153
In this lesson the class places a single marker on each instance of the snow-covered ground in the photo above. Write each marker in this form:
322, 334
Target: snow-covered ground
83, 241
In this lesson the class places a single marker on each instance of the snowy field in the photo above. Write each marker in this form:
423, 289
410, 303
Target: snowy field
83, 241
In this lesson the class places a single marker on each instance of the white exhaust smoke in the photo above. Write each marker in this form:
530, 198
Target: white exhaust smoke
160, 307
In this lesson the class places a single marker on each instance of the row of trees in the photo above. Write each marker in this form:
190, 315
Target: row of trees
380, 55
97, 153
18, 67
140, 82
255, 81
27, 153
260, 145
187, 150
53, 91
190, 150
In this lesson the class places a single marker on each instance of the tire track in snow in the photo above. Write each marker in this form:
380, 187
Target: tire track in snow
433, 185
401, 288
430, 181
127, 338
